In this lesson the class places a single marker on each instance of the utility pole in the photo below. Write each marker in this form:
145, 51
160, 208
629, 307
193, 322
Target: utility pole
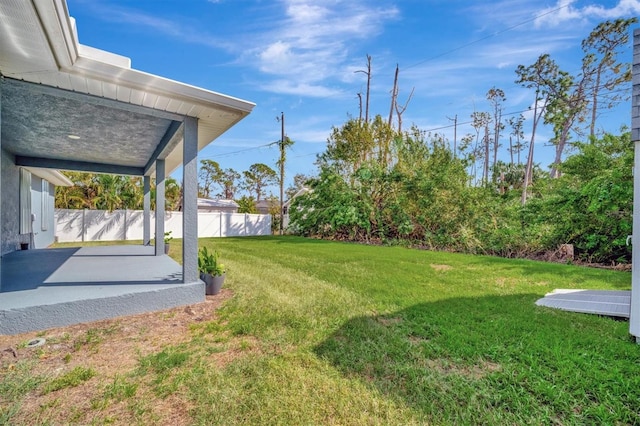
282, 155
455, 134
283, 143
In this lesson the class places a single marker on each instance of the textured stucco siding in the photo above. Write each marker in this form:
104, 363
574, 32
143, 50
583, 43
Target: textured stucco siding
635, 106
634, 319
10, 221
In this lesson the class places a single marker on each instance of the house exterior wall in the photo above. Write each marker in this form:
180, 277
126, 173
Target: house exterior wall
10, 220
634, 318
635, 102
42, 205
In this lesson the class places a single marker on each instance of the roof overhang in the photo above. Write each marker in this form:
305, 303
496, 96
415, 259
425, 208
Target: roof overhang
69, 106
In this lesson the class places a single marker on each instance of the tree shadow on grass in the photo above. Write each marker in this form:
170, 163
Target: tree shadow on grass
494, 360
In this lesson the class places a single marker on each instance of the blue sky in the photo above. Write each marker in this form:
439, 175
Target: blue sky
300, 57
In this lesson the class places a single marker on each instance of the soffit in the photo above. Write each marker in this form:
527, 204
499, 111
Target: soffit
38, 124
38, 44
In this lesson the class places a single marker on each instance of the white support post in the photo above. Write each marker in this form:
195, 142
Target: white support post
190, 201
634, 315
146, 214
160, 177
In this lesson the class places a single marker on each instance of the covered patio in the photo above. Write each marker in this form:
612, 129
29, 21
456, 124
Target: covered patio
67, 106
56, 287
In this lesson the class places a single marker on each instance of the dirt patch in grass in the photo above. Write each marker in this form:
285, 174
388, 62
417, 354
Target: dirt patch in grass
476, 371
112, 348
508, 282
441, 268
390, 321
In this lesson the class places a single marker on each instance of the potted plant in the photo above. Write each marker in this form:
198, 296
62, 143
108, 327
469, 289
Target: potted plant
212, 272
167, 240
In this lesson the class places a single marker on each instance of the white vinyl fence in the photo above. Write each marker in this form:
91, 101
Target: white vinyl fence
101, 225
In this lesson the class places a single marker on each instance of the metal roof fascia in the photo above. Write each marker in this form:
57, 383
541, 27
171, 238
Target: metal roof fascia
59, 30
150, 83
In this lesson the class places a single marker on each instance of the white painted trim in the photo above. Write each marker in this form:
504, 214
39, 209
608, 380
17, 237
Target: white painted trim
108, 67
25, 202
53, 176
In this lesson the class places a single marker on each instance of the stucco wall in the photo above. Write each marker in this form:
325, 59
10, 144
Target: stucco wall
635, 101
10, 181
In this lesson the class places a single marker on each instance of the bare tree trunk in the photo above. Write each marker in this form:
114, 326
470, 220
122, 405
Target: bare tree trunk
528, 173
555, 172
394, 95
511, 149
496, 138
485, 173
594, 103
368, 73
401, 110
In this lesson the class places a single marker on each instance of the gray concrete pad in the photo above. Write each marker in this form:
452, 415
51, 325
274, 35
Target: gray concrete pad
614, 303
41, 289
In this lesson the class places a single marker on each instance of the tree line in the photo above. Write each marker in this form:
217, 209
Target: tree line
115, 192
487, 194
112, 192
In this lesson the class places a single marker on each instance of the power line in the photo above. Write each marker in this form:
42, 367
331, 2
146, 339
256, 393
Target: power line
471, 43
227, 154
459, 123
433, 129
495, 34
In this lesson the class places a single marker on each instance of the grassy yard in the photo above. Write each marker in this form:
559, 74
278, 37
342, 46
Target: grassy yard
334, 333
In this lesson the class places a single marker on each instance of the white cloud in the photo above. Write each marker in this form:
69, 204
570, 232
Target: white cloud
290, 87
301, 44
312, 43
561, 12
308, 135
566, 10
168, 27
625, 8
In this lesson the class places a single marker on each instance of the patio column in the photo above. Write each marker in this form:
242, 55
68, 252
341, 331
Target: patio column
634, 314
190, 201
160, 207
1, 243
146, 214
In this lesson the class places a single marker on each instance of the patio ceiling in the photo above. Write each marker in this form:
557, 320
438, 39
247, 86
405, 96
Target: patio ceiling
48, 124
70, 106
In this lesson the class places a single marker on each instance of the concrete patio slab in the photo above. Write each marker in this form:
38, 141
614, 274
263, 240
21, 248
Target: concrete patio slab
613, 303
40, 289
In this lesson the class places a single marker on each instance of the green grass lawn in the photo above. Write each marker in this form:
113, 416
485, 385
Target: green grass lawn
350, 334
353, 334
